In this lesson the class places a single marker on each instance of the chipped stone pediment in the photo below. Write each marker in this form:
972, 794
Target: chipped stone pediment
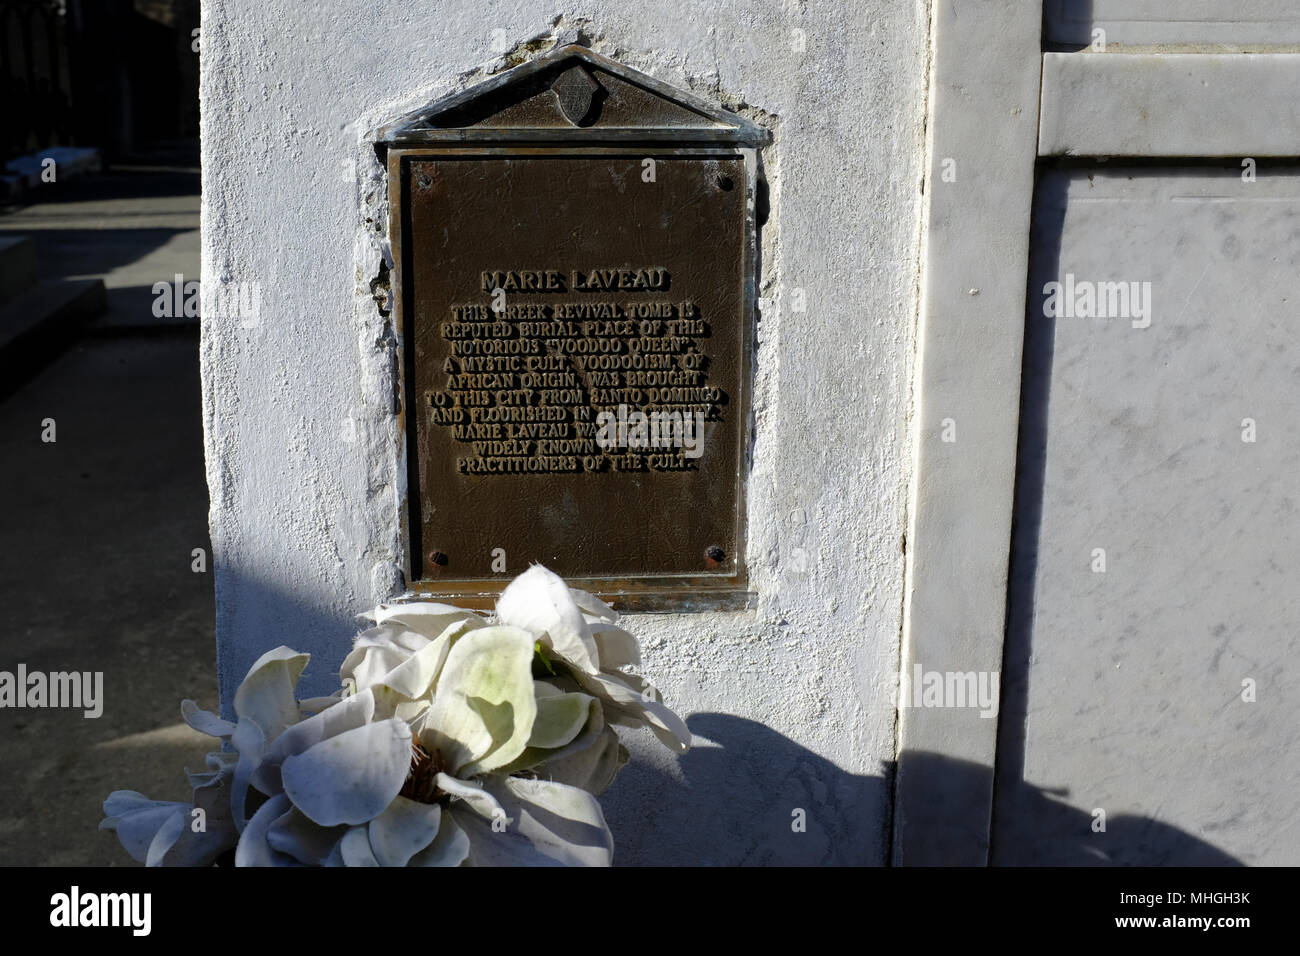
572, 93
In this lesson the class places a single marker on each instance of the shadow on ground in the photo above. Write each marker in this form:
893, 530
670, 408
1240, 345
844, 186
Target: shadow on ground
100, 526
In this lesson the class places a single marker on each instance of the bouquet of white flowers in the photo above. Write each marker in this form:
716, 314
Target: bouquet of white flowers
454, 740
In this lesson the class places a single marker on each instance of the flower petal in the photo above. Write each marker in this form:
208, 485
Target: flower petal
630, 700
266, 694
404, 829
352, 777
349, 714
220, 764
426, 617
540, 602
472, 794
483, 710
593, 606
590, 762
617, 647
249, 741
550, 825
449, 847
294, 834
378, 651
560, 717
137, 820
202, 846
265, 706
253, 850
314, 705
355, 848
205, 722
166, 838
412, 677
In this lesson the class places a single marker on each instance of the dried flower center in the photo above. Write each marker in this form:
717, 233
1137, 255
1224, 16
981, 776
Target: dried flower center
422, 781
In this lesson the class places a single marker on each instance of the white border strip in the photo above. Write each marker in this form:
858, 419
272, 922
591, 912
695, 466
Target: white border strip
983, 124
1170, 104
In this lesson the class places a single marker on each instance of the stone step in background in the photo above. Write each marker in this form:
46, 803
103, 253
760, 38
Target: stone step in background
39, 317
17, 265
42, 321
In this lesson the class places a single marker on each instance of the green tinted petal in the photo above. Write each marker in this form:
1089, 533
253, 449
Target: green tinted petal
483, 710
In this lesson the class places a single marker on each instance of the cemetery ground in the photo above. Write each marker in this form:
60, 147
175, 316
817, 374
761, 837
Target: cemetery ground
100, 524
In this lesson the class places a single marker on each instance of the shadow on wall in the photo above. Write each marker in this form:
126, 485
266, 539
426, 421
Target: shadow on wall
1068, 25
267, 617
737, 799
732, 800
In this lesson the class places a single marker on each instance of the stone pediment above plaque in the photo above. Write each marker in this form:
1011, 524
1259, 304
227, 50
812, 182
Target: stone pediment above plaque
573, 94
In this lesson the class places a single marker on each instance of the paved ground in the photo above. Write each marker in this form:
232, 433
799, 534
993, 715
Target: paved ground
98, 526
134, 225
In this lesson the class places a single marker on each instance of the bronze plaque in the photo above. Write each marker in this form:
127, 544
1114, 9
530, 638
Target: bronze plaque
575, 326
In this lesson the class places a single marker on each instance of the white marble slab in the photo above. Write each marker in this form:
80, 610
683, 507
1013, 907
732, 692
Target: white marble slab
1177, 104
984, 98
1132, 442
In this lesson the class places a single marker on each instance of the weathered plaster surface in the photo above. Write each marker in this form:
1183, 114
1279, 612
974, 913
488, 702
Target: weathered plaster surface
794, 702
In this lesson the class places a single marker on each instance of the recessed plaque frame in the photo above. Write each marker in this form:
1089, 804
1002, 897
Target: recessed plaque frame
572, 129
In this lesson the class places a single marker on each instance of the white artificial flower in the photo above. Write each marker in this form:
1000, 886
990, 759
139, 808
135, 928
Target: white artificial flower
452, 741
582, 631
407, 647
166, 833
357, 786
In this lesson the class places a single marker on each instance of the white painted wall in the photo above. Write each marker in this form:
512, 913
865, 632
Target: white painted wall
793, 703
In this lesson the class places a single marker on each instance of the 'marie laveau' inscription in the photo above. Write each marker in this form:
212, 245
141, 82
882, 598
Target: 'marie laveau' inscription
579, 280
539, 384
